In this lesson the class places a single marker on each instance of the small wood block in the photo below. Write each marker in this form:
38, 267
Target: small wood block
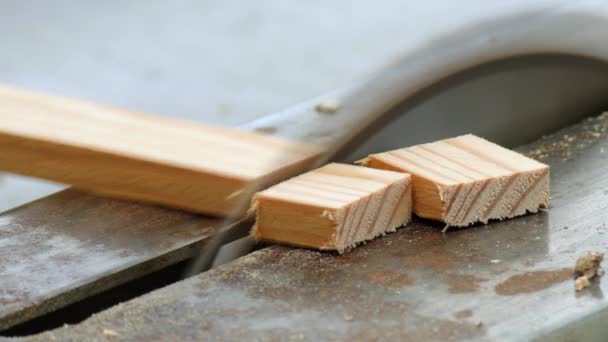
130, 155
468, 179
333, 207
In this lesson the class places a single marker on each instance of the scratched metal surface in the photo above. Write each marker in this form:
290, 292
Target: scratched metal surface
514, 277
70, 245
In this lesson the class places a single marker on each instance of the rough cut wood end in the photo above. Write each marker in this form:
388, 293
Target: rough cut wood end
467, 179
334, 207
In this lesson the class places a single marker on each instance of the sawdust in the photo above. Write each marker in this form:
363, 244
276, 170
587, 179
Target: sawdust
570, 140
328, 214
587, 267
348, 317
581, 283
110, 333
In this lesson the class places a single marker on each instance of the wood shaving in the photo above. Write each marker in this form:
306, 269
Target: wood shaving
581, 283
587, 267
109, 333
445, 229
235, 194
363, 161
329, 215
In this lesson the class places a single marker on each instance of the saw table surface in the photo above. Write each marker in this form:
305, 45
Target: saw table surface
510, 279
68, 246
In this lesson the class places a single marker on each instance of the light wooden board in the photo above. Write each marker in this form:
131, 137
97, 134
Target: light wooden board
138, 156
334, 207
467, 179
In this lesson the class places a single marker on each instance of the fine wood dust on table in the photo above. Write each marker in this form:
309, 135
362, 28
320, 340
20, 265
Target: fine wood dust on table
569, 141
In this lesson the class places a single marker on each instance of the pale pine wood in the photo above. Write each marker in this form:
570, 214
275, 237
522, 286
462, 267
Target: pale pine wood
468, 179
333, 207
139, 156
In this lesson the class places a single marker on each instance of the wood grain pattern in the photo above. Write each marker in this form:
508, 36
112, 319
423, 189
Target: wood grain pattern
467, 179
139, 156
333, 207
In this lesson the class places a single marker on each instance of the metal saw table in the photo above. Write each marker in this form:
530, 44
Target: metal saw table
507, 280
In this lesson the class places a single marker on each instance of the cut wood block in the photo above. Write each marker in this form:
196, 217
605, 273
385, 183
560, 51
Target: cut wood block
333, 207
138, 156
467, 179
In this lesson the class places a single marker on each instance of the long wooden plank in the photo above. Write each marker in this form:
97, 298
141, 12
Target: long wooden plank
139, 156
